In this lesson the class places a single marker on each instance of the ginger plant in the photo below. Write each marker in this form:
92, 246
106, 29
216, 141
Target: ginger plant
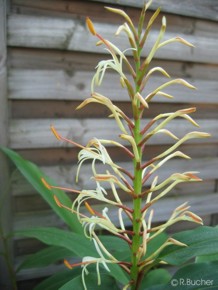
134, 136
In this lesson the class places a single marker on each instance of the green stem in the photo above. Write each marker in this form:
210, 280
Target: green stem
136, 241
137, 184
5, 239
7, 259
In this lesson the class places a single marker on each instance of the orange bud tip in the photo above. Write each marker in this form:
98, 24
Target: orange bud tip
67, 264
55, 132
88, 207
45, 183
192, 176
195, 217
57, 201
90, 26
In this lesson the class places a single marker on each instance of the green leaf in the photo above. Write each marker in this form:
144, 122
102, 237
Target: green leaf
45, 257
206, 258
155, 278
33, 174
120, 250
195, 276
117, 273
116, 246
78, 244
57, 280
200, 241
107, 283
155, 244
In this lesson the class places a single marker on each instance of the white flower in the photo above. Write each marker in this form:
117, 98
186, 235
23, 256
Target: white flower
93, 260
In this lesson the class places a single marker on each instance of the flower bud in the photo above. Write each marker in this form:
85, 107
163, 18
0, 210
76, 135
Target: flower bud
90, 26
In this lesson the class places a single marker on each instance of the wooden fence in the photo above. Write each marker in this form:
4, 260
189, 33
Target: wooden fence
50, 63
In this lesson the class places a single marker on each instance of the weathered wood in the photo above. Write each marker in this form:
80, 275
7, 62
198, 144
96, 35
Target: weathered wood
201, 205
5, 198
69, 34
30, 201
76, 85
64, 156
27, 109
97, 12
24, 58
206, 9
65, 175
37, 134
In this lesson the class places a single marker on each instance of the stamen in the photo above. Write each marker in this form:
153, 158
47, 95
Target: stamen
58, 187
45, 183
68, 208
89, 208
55, 132
67, 264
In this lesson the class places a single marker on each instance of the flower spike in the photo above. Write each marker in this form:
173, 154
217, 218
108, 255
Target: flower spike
107, 208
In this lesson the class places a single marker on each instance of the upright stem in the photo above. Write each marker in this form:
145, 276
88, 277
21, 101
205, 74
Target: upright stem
136, 241
7, 258
137, 185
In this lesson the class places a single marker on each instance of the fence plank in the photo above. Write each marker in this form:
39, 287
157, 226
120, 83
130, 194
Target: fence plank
76, 85
53, 156
69, 34
97, 12
201, 204
30, 201
206, 9
25, 134
65, 175
71, 61
5, 198
40, 109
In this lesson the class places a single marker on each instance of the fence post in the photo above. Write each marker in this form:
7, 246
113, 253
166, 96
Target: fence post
5, 198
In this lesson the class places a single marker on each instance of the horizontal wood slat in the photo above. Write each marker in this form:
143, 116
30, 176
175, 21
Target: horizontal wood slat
70, 34
37, 134
76, 85
202, 205
30, 201
204, 9
65, 175
62, 156
50, 109
72, 61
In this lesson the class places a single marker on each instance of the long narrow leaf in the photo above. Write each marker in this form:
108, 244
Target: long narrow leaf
33, 174
78, 244
58, 280
155, 278
200, 241
195, 276
45, 257
107, 283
